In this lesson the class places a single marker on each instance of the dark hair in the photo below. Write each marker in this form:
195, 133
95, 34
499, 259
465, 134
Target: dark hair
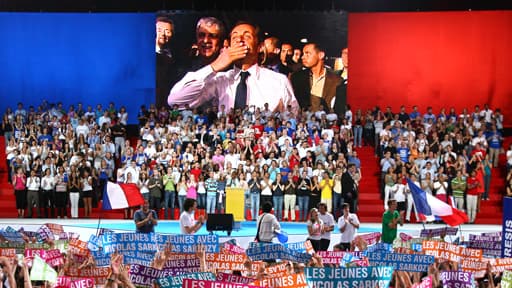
189, 203
345, 205
166, 19
257, 30
267, 207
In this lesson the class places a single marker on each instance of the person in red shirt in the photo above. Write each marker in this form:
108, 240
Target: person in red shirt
472, 195
196, 171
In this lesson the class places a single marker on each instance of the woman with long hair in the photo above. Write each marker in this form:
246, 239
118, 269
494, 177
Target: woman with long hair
61, 192
19, 181
74, 192
315, 227
86, 183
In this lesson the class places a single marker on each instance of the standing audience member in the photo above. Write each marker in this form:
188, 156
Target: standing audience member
188, 225
74, 192
61, 192
348, 224
19, 181
315, 227
267, 225
155, 190
86, 185
390, 220
145, 219
303, 194
328, 227
47, 196
33, 186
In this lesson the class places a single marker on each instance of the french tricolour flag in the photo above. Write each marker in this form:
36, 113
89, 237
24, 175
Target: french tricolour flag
121, 195
429, 206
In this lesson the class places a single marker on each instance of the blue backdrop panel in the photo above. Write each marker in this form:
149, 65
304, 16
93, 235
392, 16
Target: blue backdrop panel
77, 57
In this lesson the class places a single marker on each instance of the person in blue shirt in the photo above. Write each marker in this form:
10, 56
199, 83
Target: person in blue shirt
145, 219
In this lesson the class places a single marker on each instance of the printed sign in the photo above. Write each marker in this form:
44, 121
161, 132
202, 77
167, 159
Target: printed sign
189, 243
121, 242
506, 239
291, 281
436, 232
401, 262
177, 281
457, 279
276, 251
349, 277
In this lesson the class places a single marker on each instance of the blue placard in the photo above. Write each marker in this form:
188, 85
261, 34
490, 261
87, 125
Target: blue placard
189, 243
100, 259
264, 251
12, 236
401, 262
349, 277
297, 246
138, 257
121, 242
506, 239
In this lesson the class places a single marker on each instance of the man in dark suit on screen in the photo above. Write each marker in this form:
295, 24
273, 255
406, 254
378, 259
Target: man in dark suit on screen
317, 86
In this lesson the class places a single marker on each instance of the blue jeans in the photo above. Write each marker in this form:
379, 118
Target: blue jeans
201, 200
169, 197
487, 185
303, 207
181, 201
255, 205
358, 133
211, 200
337, 204
278, 206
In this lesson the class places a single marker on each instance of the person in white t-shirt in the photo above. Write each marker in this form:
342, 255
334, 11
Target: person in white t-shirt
328, 220
348, 224
188, 225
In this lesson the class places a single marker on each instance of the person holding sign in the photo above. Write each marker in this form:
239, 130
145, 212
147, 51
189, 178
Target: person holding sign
145, 219
390, 220
188, 224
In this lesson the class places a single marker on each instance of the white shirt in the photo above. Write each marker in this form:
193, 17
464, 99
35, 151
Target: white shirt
263, 86
48, 183
350, 231
186, 220
33, 183
328, 220
82, 129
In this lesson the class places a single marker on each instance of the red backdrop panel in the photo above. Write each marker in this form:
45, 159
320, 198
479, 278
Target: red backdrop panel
438, 59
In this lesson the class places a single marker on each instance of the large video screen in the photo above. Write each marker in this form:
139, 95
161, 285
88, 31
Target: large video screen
188, 41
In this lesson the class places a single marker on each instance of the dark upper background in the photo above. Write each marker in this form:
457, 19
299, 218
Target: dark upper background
155, 5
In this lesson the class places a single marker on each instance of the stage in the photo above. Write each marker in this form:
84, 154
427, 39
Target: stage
296, 231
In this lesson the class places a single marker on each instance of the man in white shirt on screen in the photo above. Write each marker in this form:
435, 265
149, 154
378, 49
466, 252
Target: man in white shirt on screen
259, 85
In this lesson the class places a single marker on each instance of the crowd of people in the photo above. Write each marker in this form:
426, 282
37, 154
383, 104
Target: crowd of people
446, 154
57, 156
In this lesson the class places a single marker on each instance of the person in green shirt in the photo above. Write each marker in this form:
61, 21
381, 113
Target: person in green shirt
170, 194
390, 220
459, 189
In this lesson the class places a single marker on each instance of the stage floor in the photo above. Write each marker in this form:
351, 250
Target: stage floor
296, 231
